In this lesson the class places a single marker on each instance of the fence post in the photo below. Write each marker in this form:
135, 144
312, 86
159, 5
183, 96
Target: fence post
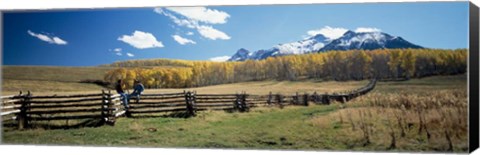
326, 99
189, 100
296, 99
24, 108
111, 109
344, 99
280, 100
244, 101
104, 102
186, 94
269, 100
305, 99
239, 103
27, 109
235, 103
21, 117
193, 102
314, 97
110, 115
186, 100
109, 101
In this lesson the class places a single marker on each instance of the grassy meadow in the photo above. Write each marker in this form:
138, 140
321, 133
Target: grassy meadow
367, 123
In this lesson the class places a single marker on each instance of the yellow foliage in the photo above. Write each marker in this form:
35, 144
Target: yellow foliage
337, 65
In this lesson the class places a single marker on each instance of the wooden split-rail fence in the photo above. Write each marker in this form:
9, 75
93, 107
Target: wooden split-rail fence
26, 109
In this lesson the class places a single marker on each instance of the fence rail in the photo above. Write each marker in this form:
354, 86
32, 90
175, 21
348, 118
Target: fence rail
26, 110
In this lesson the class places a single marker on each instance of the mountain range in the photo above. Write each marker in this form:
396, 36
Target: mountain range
350, 40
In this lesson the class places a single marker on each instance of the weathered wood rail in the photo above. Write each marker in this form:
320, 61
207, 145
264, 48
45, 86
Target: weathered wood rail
26, 110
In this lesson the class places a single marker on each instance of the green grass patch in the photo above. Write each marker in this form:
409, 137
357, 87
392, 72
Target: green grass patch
264, 128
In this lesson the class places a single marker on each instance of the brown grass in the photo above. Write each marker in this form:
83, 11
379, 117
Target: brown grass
264, 87
403, 121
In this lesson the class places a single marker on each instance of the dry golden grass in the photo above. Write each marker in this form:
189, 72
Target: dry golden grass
405, 121
258, 87
264, 87
50, 79
13, 87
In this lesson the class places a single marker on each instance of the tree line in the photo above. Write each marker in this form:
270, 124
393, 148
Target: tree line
332, 65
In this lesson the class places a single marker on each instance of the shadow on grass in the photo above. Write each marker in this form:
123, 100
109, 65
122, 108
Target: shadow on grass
48, 126
83, 124
182, 114
172, 114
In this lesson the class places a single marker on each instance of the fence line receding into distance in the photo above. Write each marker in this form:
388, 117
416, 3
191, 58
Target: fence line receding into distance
26, 110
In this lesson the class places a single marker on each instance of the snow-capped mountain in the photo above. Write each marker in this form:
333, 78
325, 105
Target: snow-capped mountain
241, 55
311, 44
348, 41
367, 41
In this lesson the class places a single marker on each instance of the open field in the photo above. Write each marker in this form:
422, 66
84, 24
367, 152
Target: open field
317, 127
65, 80
52, 79
264, 87
424, 85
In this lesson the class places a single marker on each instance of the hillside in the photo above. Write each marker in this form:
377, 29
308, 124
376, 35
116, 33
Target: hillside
50, 78
53, 73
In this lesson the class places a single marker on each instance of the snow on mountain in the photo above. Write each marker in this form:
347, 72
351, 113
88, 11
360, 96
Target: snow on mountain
367, 41
241, 55
348, 41
308, 45
314, 43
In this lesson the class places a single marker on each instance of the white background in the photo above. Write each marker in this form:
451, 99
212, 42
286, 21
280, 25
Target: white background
77, 150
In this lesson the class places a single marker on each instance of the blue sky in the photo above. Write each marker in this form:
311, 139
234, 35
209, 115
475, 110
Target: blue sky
93, 37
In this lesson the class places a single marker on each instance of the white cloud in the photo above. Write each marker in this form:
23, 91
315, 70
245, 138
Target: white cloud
367, 29
212, 33
130, 55
59, 41
220, 58
180, 22
40, 36
184, 22
329, 32
191, 18
183, 41
46, 38
118, 51
202, 14
158, 10
141, 40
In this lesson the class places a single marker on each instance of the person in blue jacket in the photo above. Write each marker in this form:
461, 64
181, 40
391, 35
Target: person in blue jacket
138, 88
